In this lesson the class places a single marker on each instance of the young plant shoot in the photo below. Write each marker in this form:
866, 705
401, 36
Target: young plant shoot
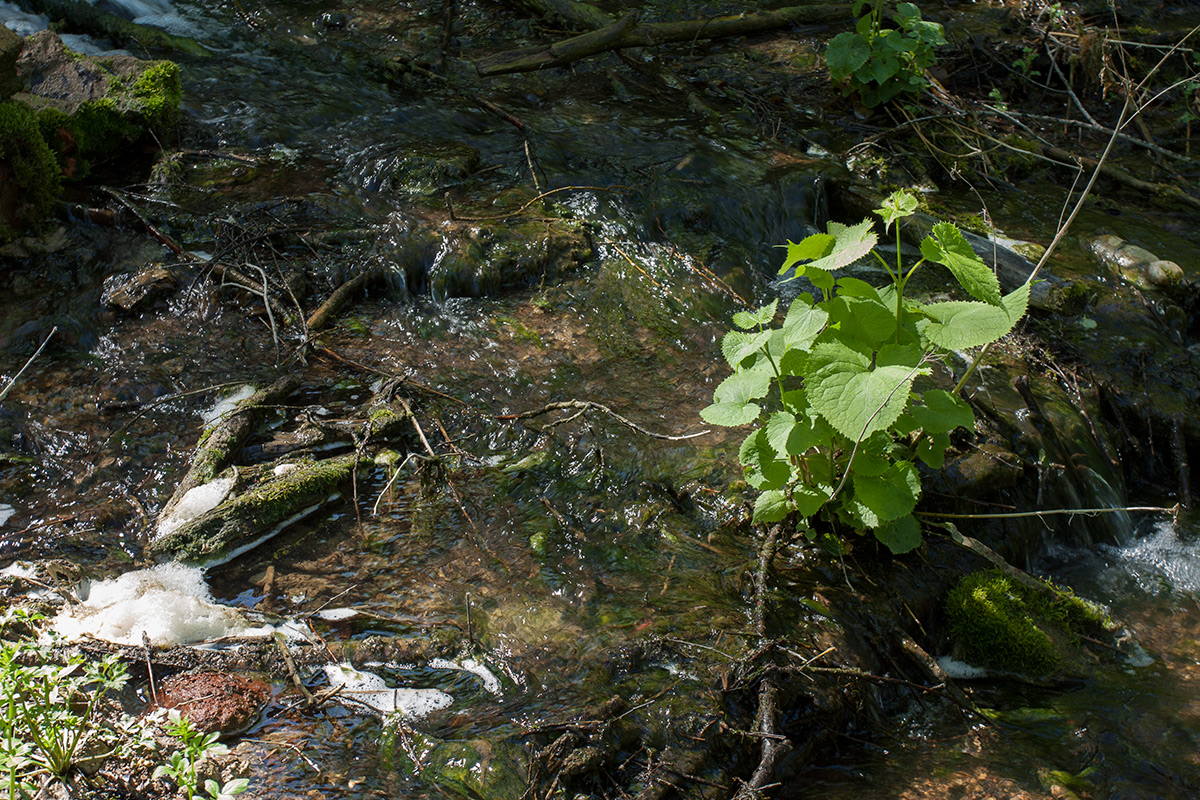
839, 426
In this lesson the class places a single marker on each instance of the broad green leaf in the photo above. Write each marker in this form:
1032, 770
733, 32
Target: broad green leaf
900, 535
845, 54
809, 498
932, 449
854, 396
871, 458
850, 243
803, 323
862, 319
959, 325
771, 506
730, 415
790, 435
884, 69
906, 12
887, 496
737, 346
753, 319
763, 468
743, 386
947, 246
810, 248
898, 205
942, 412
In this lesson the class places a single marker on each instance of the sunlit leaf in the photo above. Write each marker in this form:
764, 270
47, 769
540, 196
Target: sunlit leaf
947, 246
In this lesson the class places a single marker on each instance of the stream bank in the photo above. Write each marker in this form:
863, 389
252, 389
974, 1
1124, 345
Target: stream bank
582, 561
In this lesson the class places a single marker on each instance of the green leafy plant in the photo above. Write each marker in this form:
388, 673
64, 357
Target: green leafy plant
878, 63
48, 710
183, 765
840, 421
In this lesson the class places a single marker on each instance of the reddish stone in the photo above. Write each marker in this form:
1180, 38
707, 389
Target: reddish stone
216, 701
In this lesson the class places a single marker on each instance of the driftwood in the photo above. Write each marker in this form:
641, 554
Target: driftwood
624, 33
218, 449
1162, 192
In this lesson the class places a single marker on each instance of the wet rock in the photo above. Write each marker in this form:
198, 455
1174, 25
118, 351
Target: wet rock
216, 701
426, 168
141, 289
1135, 264
482, 261
10, 49
984, 472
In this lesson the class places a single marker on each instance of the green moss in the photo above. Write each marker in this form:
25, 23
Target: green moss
35, 172
1003, 625
159, 93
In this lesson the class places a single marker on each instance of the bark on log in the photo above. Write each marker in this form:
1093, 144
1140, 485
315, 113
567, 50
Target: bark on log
217, 450
622, 34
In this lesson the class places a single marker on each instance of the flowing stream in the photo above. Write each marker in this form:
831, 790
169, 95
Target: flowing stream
588, 560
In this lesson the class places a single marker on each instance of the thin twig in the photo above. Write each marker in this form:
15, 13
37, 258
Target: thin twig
588, 404
1083, 512
36, 353
521, 210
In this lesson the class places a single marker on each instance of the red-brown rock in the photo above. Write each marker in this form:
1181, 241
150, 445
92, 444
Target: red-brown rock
216, 701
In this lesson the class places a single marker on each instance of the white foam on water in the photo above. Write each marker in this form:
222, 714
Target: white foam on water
20, 22
960, 670
6, 512
490, 682
371, 690
1160, 561
336, 614
226, 405
196, 501
170, 603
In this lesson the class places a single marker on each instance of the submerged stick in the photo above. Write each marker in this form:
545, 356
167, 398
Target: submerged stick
584, 405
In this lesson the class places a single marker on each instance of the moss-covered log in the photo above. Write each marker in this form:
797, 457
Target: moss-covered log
622, 34
220, 444
244, 521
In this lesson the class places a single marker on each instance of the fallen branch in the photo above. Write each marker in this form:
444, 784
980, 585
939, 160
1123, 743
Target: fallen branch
584, 405
623, 33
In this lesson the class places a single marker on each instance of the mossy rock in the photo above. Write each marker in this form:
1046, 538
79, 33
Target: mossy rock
1000, 624
92, 108
29, 173
428, 168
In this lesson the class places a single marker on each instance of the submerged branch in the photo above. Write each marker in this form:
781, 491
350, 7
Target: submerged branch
584, 405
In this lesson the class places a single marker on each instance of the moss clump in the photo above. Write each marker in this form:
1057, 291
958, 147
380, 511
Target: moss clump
28, 195
1005, 626
158, 93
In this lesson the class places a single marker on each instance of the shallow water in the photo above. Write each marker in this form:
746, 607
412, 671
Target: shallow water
565, 551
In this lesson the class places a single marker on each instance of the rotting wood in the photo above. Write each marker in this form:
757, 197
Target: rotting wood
622, 34
1162, 193
217, 450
